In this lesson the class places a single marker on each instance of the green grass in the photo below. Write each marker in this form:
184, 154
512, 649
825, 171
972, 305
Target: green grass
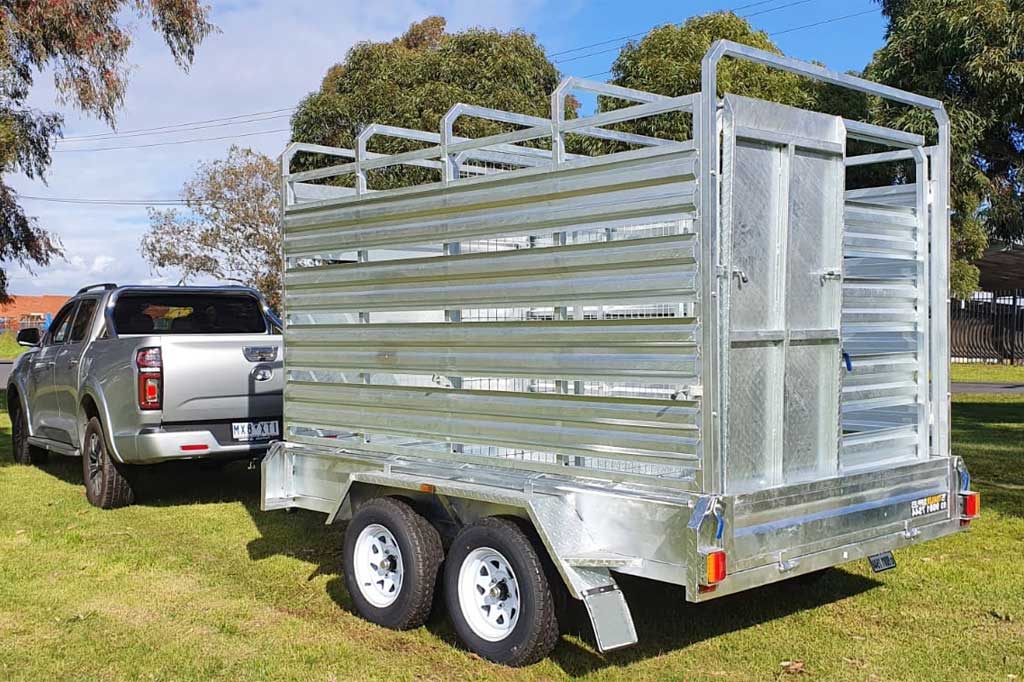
9, 347
195, 583
987, 374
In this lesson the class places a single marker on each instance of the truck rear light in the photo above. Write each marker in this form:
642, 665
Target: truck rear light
149, 363
194, 447
970, 505
715, 562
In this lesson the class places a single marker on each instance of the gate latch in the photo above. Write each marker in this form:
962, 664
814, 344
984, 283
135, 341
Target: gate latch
830, 274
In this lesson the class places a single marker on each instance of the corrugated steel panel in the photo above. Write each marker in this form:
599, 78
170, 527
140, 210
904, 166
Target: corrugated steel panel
644, 270
881, 396
653, 431
548, 301
639, 332
666, 365
605, 193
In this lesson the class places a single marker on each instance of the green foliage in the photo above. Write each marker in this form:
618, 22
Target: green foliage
970, 55
413, 80
667, 61
9, 347
84, 44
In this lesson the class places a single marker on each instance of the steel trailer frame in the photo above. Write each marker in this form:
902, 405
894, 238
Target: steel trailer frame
626, 489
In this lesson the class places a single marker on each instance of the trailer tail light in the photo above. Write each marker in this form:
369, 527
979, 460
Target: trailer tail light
150, 365
715, 572
970, 507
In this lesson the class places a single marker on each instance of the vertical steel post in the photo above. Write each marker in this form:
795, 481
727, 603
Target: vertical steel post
705, 125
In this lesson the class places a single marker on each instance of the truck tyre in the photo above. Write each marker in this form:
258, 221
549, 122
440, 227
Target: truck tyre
105, 484
392, 556
498, 595
24, 452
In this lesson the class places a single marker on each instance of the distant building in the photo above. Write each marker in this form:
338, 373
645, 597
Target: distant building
29, 311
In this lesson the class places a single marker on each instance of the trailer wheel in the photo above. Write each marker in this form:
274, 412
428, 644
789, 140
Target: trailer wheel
498, 595
105, 484
392, 557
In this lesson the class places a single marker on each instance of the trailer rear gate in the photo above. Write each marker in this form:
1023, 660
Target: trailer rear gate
572, 340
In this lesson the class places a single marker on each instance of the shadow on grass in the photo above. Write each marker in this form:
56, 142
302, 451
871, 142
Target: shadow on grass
665, 621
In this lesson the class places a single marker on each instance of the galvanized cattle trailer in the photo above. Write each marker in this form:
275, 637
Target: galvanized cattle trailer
699, 361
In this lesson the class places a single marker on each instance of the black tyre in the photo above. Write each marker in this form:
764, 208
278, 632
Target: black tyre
105, 484
498, 595
392, 557
24, 452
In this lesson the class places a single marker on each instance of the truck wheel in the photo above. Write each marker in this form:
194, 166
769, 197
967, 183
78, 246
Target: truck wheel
24, 452
392, 556
105, 484
498, 595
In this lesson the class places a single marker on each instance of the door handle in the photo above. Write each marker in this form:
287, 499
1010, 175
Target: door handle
72, 362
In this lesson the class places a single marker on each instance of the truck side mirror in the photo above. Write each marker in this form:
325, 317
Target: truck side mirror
28, 336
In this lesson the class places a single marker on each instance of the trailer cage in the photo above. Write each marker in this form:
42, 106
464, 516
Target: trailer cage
701, 361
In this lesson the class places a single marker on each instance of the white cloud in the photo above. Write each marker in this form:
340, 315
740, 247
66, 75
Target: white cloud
268, 56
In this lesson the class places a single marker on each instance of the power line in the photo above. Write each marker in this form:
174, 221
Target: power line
166, 132
125, 202
270, 114
164, 144
633, 35
778, 33
177, 125
640, 33
822, 23
775, 9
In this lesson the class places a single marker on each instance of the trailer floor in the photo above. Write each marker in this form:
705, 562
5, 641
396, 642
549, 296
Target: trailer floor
195, 582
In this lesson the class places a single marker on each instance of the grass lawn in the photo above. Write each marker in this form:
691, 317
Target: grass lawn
987, 374
195, 583
9, 347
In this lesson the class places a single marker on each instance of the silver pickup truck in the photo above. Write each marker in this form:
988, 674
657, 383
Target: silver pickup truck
130, 375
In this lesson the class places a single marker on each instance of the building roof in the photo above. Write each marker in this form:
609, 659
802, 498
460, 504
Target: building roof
31, 305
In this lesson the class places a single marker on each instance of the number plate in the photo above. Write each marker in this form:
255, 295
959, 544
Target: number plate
248, 431
882, 562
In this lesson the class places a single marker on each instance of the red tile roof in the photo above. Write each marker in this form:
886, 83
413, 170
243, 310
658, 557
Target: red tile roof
31, 305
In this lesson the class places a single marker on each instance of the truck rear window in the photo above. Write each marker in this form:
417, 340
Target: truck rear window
188, 313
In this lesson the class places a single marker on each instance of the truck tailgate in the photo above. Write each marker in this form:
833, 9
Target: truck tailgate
782, 525
208, 377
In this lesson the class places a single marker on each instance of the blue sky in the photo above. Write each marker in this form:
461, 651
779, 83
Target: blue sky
270, 53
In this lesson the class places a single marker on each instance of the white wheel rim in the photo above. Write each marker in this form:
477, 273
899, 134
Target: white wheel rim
378, 565
489, 594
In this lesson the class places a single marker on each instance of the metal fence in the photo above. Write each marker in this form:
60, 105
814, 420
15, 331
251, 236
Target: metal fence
14, 324
988, 327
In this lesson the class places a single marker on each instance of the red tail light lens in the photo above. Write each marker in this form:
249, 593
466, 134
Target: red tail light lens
971, 504
150, 366
715, 567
